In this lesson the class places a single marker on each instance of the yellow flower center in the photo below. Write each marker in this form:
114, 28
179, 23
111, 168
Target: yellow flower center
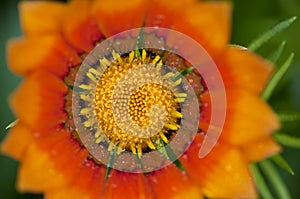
135, 107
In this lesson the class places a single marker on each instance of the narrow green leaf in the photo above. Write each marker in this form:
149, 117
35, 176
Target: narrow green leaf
260, 182
287, 140
139, 162
140, 40
174, 158
187, 70
280, 161
70, 86
12, 124
267, 93
270, 171
111, 161
289, 117
276, 55
76, 89
258, 42
183, 73
169, 153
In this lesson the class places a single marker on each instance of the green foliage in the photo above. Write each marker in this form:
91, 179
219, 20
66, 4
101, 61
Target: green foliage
287, 140
272, 175
276, 78
260, 182
280, 161
264, 38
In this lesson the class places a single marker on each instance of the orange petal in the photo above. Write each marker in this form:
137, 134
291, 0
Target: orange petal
260, 149
223, 173
163, 13
115, 16
37, 172
40, 17
16, 141
170, 182
248, 118
39, 101
209, 23
64, 151
49, 53
80, 29
126, 185
87, 186
243, 69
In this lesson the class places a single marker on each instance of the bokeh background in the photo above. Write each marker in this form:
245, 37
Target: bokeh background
250, 19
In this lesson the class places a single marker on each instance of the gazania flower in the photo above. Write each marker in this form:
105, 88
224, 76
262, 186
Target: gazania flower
56, 160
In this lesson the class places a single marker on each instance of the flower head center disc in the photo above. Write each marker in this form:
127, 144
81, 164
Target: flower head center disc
134, 106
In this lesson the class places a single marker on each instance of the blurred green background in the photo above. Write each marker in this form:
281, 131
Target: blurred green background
250, 19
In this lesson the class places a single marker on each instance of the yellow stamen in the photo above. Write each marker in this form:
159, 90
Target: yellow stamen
119, 149
168, 75
163, 137
133, 149
111, 146
88, 123
180, 100
85, 97
181, 95
150, 144
85, 87
98, 133
104, 62
143, 55
176, 83
116, 56
156, 59
139, 150
173, 127
98, 140
176, 114
85, 111
131, 56
159, 65
94, 71
91, 76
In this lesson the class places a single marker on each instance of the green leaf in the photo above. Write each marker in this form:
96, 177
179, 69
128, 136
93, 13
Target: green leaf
70, 86
169, 153
14, 123
267, 93
289, 117
287, 140
280, 161
260, 182
270, 171
140, 40
139, 162
174, 158
276, 55
258, 42
187, 70
183, 73
111, 160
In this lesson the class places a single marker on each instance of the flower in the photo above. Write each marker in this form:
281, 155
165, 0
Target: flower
53, 161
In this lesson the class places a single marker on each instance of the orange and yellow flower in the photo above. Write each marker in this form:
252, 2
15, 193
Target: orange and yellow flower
57, 37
